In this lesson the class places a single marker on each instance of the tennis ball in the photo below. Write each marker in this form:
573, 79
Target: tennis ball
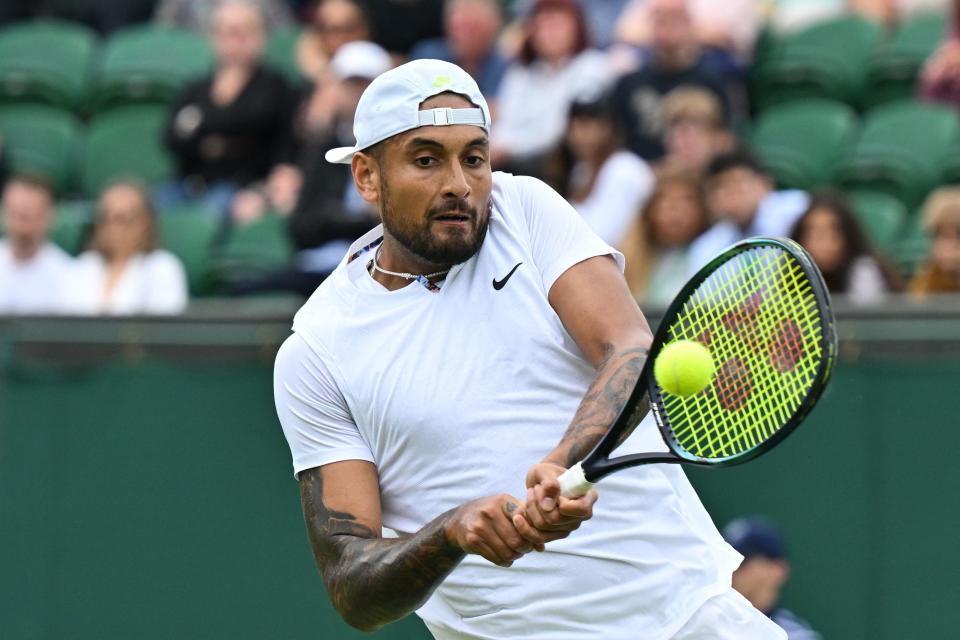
683, 368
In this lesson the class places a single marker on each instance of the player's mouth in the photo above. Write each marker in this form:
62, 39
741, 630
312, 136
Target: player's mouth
453, 218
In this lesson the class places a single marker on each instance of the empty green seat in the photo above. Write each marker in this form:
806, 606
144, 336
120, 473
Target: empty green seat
827, 60
896, 67
800, 142
149, 64
126, 142
46, 61
188, 231
882, 216
281, 53
902, 150
42, 139
71, 225
913, 247
255, 249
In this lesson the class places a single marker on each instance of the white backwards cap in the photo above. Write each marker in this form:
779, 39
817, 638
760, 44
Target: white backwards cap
391, 104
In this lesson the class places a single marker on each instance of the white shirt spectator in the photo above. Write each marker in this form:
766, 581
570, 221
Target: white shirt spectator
152, 283
775, 217
622, 186
34, 286
534, 101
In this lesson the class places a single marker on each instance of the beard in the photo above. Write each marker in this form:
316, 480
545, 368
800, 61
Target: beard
416, 236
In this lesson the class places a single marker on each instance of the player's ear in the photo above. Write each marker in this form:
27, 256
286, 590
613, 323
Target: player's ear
366, 177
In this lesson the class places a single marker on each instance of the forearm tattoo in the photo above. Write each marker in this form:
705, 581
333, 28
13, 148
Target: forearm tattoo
616, 377
372, 580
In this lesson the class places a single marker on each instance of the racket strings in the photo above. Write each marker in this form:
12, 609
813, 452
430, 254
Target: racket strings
759, 317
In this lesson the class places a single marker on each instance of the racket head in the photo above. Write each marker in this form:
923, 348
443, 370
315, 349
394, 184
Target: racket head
763, 311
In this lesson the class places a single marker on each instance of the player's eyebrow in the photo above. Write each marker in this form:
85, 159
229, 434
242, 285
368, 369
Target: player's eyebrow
416, 143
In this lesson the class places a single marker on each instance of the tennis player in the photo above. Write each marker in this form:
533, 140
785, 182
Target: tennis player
461, 356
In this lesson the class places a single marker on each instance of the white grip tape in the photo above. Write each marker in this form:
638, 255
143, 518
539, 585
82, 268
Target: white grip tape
573, 483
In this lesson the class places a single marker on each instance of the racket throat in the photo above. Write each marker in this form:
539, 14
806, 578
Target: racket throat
573, 482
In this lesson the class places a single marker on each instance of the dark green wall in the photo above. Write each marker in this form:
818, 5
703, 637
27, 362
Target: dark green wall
154, 499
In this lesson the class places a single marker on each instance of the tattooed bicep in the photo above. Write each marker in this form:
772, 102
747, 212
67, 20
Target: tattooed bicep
326, 521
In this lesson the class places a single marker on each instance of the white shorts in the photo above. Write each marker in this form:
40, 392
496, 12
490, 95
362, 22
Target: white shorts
729, 616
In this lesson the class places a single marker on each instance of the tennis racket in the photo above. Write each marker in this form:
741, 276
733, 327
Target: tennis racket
762, 310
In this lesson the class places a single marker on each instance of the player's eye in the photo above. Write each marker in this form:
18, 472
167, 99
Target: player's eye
425, 161
475, 160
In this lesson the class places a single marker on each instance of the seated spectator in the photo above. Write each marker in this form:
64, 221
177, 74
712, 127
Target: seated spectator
329, 213
199, 14
940, 77
231, 128
470, 41
731, 26
554, 66
657, 246
694, 133
124, 272
674, 59
940, 273
32, 269
764, 571
606, 184
830, 231
743, 202
333, 24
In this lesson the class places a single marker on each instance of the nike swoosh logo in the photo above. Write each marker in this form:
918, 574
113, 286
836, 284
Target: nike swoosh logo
499, 284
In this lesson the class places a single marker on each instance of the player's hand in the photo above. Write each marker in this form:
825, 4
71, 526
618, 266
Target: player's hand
485, 527
551, 514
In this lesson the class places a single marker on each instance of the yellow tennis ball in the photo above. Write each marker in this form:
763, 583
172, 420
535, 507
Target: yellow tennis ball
683, 368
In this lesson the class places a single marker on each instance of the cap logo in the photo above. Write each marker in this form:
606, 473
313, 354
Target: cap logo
441, 81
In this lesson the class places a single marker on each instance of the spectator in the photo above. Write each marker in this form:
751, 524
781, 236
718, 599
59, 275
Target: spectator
742, 200
329, 213
657, 246
830, 231
606, 184
333, 24
470, 41
199, 15
764, 571
555, 64
399, 24
694, 133
940, 77
674, 59
231, 128
124, 272
32, 269
730, 26
941, 219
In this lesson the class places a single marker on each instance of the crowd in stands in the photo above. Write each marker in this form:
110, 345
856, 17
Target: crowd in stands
643, 114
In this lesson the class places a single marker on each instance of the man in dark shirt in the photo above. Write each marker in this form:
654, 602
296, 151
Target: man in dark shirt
233, 127
674, 59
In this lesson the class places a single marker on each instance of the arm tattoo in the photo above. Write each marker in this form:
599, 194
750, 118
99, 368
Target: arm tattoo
372, 580
616, 377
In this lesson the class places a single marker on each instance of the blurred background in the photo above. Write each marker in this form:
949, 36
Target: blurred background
166, 209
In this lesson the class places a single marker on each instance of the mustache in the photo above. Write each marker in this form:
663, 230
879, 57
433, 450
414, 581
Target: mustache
454, 204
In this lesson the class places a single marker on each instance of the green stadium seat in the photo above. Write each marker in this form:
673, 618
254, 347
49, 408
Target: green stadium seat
913, 247
827, 60
255, 249
902, 150
126, 142
46, 61
41, 139
896, 67
800, 142
188, 231
281, 53
883, 218
71, 225
149, 64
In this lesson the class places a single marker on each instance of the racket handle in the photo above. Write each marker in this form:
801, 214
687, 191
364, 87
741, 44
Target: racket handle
573, 483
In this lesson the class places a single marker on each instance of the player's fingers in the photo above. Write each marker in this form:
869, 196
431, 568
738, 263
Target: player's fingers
549, 490
580, 508
481, 548
528, 532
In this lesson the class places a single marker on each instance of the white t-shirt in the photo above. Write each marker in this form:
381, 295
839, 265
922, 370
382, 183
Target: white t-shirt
622, 186
455, 393
152, 283
34, 286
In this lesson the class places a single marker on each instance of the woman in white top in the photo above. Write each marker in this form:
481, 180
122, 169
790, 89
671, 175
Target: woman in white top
553, 66
830, 231
606, 184
124, 272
